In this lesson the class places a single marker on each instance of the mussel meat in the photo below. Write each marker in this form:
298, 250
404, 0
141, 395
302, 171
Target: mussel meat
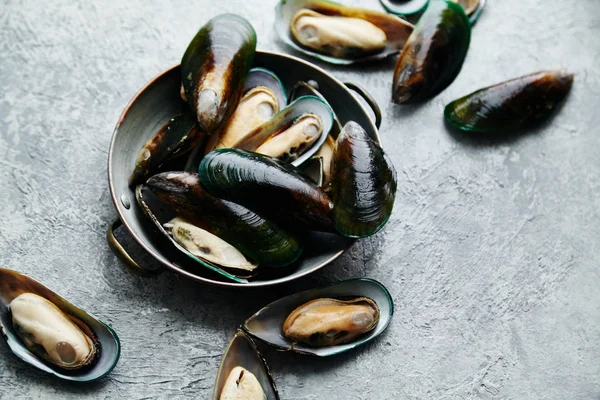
434, 53
49, 333
338, 34
261, 240
241, 384
264, 96
267, 186
207, 246
314, 321
341, 37
176, 138
518, 103
363, 183
327, 322
294, 134
215, 66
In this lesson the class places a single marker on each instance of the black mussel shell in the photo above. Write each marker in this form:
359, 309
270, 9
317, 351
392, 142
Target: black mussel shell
519, 103
434, 53
267, 186
215, 66
363, 183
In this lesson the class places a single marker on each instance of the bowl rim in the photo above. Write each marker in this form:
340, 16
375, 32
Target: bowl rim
166, 263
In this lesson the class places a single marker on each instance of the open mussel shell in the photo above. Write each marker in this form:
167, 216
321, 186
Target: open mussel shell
242, 352
302, 89
173, 140
156, 211
518, 103
266, 325
301, 107
267, 186
13, 284
215, 66
396, 30
434, 53
264, 77
260, 240
363, 183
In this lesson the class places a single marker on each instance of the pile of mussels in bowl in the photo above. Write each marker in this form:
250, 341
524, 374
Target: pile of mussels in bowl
255, 172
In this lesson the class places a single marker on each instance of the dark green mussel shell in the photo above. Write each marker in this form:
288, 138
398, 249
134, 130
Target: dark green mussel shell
434, 53
363, 183
268, 186
519, 103
174, 139
259, 239
215, 66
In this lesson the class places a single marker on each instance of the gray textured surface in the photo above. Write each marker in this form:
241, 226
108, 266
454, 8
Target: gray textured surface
491, 254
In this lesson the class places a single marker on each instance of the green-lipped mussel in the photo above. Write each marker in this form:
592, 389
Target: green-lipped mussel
473, 8
363, 183
327, 322
330, 31
324, 321
51, 334
508, 106
267, 186
243, 373
261, 240
434, 53
173, 140
294, 134
214, 69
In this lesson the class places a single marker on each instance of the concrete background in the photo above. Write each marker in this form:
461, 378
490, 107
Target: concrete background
491, 254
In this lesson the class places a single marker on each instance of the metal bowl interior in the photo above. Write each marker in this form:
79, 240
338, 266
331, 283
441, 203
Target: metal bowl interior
155, 104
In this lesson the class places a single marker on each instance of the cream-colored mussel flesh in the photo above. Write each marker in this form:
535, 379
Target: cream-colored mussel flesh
256, 107
49, 333
207, 246
241, 384
293, 141
327, 322
342, 37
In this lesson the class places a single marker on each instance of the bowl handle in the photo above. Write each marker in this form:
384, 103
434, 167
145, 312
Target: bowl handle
369, 99
122, 254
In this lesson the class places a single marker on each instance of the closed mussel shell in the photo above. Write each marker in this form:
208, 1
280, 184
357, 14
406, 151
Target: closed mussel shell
363, 183
267, 325
174, 139
518, 103
267, 186
14, 285
261, 240
215, 66
434, 53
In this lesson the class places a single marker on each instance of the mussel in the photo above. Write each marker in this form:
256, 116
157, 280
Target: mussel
267, 186
261, 240
174, 139
367, 299
46, 331
473, 8
215, 66
243, 373
338, 34
294, 134
363, 183
434, 53
264, 96
327, 322
518, 103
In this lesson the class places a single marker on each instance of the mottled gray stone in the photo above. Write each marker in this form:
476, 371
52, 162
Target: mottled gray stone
491, 254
